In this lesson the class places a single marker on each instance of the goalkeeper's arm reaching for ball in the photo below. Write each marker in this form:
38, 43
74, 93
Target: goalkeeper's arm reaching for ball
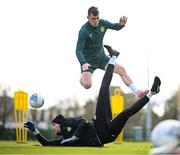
40, 137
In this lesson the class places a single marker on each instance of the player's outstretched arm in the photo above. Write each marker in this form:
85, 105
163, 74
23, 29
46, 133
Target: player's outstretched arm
31, 126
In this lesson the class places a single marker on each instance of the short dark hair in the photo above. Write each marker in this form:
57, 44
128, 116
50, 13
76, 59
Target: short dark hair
93, 11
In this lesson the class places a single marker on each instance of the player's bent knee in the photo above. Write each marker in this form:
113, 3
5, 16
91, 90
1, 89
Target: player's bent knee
87, 86
86, 80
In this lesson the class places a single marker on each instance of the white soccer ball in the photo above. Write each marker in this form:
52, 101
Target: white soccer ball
36, 100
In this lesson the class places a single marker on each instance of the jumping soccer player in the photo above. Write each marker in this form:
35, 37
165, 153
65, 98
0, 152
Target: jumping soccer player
77, 131
90, 51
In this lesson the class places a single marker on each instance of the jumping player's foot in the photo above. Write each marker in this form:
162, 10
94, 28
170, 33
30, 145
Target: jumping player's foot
142, 93
156, 85
111, 51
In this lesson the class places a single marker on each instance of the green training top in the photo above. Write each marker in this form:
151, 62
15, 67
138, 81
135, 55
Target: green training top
89, 48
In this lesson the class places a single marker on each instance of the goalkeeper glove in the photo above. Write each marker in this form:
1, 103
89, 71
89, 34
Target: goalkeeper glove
30, 126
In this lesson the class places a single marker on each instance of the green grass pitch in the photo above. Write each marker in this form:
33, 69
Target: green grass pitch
33, 147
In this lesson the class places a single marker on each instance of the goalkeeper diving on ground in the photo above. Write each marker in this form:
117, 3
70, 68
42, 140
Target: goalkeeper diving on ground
77, 131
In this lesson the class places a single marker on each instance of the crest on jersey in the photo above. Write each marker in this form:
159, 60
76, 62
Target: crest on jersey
68, 129
102, 29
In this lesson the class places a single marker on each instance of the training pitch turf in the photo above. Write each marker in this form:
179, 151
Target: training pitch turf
33, 147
